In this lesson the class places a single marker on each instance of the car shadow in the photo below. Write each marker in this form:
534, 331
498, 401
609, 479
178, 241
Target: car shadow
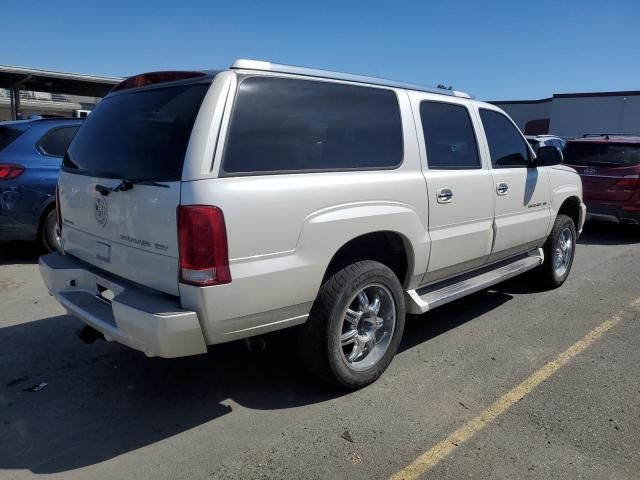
530, 185
609, 233
104, 400
20, 253
421, 328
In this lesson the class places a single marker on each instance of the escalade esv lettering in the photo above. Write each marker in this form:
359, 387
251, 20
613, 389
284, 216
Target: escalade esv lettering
284, 196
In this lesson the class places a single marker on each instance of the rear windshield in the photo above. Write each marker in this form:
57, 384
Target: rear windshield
8, 133
602, 154
139, 135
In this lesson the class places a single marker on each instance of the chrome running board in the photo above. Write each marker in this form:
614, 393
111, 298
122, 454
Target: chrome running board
426, 298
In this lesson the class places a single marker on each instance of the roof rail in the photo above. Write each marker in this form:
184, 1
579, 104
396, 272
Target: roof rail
587, 135
244, 64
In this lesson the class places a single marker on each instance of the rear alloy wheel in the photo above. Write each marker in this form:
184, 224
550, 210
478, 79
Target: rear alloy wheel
49, 233
559, 251
367, 327
355, 325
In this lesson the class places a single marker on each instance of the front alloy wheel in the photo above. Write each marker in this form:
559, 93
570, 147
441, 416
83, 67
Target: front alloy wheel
563, 253
559, 251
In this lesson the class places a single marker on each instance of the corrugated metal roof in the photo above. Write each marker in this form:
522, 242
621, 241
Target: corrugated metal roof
39, 80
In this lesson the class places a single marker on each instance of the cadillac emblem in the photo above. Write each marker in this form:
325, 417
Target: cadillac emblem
100, 210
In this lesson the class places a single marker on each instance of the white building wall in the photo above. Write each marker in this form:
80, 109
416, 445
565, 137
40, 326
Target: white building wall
575, 116
521, 113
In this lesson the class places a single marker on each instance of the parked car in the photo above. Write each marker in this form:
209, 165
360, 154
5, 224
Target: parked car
203, 207
609, 165
30, 156
537, 141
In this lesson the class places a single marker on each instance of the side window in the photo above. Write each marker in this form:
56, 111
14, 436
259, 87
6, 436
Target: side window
55, 142
506, 146
291, 125
448, 136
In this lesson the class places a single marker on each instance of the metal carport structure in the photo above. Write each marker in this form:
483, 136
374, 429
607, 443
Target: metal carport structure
21, 78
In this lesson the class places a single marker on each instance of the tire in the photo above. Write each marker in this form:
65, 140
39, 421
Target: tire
553, 273
48, 236
349, 340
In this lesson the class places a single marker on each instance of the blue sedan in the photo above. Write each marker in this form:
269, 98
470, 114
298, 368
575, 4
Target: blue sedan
30, 156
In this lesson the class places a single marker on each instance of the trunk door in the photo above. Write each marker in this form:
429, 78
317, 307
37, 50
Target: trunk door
131, 233
110, 217
603, 184
606, 169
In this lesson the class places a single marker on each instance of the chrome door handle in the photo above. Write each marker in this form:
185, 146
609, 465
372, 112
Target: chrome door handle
444, 195
502, 188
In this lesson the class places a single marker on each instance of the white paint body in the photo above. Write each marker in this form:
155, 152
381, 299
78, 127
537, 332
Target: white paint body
283, 230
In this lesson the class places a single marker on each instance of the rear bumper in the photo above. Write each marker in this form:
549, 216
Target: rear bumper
612, 213
152, 323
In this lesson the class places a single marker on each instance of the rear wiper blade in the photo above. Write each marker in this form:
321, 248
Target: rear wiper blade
127, 184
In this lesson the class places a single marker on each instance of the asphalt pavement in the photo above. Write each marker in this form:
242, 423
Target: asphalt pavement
110, 412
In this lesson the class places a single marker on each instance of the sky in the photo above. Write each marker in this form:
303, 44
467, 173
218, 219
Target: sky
495, 50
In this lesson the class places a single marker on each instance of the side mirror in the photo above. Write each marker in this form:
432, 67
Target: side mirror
548, 155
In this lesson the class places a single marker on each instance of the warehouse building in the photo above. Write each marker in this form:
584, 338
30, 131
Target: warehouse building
574, 114
28, 91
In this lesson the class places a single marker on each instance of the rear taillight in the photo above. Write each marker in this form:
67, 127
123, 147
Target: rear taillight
7, 172
629, 182
58, 211
202, 240
153, 78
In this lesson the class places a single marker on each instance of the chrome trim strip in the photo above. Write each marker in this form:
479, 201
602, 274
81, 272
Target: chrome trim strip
616, 177
299, 319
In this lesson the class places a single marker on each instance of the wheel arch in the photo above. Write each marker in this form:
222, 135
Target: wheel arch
571, 207
566, 198
387, 247
390, 232
47, 207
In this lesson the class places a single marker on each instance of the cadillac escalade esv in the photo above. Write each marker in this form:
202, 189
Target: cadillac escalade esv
197, 208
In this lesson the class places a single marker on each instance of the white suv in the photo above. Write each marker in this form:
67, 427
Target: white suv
203, 207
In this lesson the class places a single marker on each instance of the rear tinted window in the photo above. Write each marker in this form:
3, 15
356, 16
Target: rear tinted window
57, 140
448, 136
9, 133
138, 135
599, 154
289, 125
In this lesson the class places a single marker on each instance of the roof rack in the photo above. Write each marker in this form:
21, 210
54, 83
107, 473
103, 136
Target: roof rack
587, 135
244, 64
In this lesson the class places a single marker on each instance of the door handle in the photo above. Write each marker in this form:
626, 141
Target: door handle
502, 188
444, 195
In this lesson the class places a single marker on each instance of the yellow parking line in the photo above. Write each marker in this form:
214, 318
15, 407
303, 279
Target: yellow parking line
440, 451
